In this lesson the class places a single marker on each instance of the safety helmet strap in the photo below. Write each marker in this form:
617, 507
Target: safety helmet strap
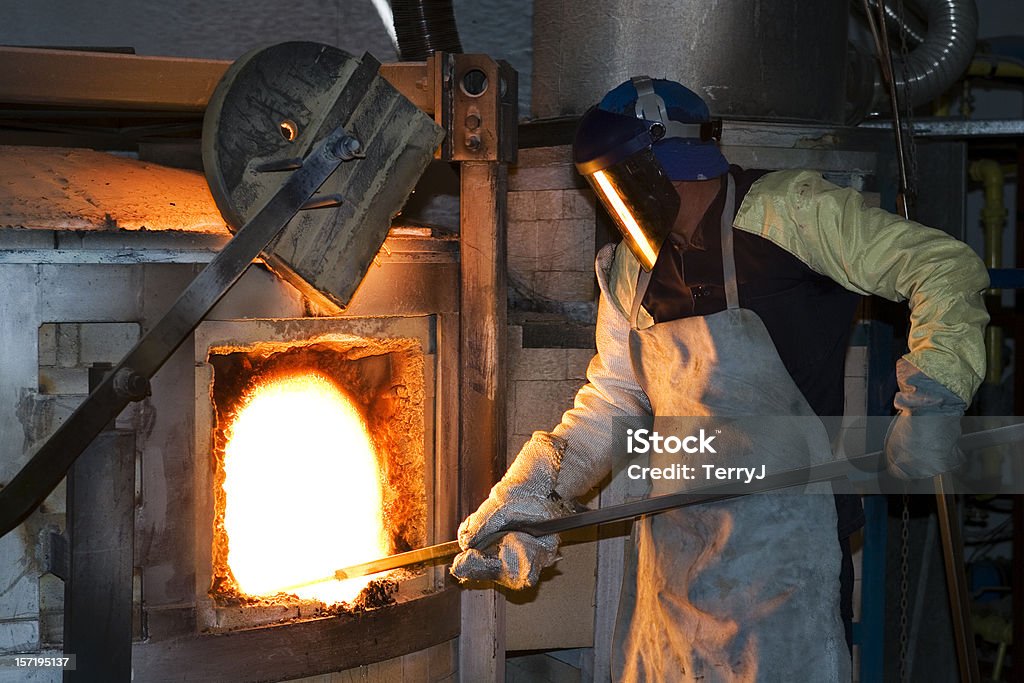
651, 107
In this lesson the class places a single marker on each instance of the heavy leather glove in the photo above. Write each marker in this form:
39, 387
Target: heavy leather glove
922, 438
525, 493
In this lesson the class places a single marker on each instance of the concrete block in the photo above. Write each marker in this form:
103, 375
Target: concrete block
547, 204
67, 345
566, 244
565, 285
48, 344
34, 675
53, 380
534, 157
577, 362
542, 403
19, 600
561, 177
107, 342
522, 267
19, 636
578, 204
521, 206
89, 292
522, 238
542, 364
18, 238
523, 242
161, 285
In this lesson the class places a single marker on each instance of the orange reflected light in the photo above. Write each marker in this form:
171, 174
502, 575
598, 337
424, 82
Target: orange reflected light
626, 219
303, 490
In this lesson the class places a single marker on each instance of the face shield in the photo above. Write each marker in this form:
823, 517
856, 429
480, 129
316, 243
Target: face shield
613, 152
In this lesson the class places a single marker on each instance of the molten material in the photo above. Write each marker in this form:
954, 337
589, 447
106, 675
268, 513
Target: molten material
303, 490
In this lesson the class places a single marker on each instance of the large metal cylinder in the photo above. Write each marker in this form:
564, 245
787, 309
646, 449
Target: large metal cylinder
763, 59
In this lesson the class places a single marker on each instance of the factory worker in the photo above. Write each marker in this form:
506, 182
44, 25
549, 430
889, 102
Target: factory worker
732, 294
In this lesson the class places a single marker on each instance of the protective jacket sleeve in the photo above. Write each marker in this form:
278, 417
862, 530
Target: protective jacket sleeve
871, 251
611, 392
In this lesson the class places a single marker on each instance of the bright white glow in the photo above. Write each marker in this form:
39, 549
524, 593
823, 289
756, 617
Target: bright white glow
383, 8
622, 211
303, 490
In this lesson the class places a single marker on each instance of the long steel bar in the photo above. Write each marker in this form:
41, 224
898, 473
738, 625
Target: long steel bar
873, 462
956, 581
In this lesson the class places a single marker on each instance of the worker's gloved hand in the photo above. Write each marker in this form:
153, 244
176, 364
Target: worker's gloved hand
525, 493
922, 438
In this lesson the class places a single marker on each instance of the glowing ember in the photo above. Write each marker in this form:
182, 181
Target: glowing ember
303, 490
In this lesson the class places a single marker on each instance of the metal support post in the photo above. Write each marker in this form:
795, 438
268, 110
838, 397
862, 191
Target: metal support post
101, 533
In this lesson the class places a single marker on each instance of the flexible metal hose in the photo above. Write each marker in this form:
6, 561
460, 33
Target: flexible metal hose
424, 27
938, 60
941, 59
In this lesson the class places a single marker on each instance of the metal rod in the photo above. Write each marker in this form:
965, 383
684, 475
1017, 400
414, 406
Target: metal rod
407, 559
881, 38
836, 469
956, 581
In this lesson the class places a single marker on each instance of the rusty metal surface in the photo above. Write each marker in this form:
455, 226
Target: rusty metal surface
268, 110
476, 103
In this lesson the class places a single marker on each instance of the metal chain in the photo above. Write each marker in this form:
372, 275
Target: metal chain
904, 587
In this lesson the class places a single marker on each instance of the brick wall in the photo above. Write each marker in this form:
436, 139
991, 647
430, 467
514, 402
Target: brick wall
552, 224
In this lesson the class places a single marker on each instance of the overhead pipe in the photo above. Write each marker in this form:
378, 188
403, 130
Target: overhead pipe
424, 27
905, 23
993, 218
930, 68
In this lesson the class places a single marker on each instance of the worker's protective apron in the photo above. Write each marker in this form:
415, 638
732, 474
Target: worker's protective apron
747, 589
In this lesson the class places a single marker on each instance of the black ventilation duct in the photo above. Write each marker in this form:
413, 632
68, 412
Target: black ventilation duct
425, 27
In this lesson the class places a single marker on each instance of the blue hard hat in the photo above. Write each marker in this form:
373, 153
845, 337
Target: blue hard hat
683, 154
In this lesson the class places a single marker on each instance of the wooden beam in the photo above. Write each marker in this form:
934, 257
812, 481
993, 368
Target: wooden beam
98, 80
69, 78
482, 395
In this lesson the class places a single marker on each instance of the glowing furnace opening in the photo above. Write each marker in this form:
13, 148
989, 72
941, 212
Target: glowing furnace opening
289, 432
318, 463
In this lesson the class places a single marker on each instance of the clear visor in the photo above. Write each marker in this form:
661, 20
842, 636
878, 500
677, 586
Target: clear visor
642, 201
